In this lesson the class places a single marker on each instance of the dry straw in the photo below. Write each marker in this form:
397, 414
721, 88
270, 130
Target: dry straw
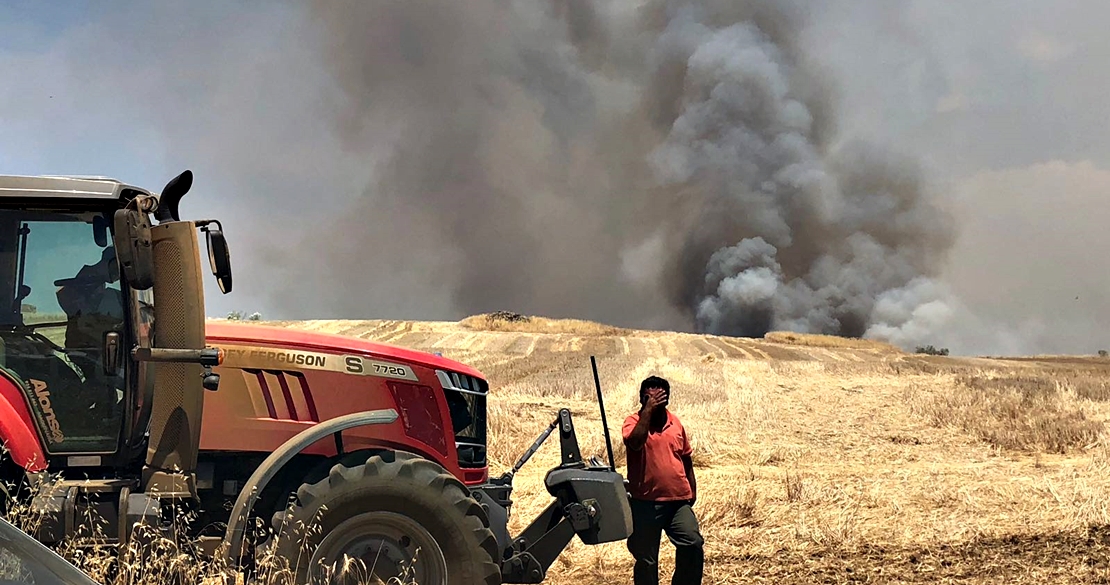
819, 461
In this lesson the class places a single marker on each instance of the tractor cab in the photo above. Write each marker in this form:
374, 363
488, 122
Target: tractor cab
62, 302
78, 317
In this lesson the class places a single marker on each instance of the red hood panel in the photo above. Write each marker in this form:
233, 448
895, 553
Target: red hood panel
297, 339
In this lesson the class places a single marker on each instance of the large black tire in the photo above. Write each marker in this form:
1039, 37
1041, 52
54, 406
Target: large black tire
383, 512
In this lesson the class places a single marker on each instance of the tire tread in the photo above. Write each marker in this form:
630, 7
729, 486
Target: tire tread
393, 465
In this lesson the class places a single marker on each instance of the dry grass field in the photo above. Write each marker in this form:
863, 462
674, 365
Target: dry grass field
819, 460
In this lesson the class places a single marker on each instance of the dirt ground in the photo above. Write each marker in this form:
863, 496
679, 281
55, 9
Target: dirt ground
819, 460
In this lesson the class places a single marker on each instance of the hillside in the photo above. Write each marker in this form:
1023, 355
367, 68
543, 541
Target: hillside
820, 460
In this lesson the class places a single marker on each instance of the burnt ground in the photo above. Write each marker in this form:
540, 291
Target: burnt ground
1070, 557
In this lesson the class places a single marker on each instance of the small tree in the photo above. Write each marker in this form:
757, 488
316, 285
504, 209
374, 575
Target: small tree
255, 316
930, 350
234, 316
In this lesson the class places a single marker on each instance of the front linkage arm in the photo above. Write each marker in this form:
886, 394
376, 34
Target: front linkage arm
590, 501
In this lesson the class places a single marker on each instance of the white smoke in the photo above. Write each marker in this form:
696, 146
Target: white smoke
911, 314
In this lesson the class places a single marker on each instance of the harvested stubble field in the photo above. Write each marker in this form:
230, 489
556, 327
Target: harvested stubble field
819, 460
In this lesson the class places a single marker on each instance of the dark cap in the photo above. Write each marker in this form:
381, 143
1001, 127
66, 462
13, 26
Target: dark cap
103, 272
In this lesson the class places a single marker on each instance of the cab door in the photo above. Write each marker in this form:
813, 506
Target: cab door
66, 298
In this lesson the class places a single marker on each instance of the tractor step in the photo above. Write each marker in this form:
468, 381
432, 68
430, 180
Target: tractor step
94, 485
92, 512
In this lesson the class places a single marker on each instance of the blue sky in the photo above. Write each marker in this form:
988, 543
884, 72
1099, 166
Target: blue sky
128, 90
29, 31
25, 21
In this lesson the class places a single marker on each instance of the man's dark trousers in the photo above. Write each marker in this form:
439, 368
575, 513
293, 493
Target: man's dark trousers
677, 519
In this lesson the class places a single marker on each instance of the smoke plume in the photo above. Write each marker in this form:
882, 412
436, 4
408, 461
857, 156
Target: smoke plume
662, 164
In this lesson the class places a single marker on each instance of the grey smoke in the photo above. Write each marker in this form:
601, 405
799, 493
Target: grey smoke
821, 234
268, 104
532, 148
658, 164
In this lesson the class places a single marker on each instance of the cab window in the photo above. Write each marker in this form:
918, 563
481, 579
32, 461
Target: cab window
63, 297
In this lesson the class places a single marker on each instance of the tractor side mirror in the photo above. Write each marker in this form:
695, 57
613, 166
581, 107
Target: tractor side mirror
134, 250
218, 257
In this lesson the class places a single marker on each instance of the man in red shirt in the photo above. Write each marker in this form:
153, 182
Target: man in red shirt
663, 489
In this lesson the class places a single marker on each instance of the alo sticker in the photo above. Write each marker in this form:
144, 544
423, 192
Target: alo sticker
42, 395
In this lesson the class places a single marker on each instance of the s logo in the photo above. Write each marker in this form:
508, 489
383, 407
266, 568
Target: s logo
354, 365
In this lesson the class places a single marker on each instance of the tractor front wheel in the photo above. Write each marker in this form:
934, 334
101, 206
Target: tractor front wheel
398, 518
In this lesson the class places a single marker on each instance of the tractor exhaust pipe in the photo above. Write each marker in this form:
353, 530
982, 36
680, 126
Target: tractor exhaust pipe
166, 258
179, 328
171, 197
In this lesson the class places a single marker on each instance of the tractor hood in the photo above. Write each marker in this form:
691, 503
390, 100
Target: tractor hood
229, 332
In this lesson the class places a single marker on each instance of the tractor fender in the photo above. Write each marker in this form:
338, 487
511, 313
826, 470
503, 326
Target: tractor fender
233, 537
16, 429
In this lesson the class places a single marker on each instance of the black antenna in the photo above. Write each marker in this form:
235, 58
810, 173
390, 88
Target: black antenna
604, 423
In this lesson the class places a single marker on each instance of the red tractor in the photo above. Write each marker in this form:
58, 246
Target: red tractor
316, 448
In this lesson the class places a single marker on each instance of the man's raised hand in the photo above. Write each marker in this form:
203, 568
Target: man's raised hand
655, 398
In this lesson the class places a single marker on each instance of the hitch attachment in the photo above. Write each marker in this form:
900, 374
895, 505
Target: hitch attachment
590, 501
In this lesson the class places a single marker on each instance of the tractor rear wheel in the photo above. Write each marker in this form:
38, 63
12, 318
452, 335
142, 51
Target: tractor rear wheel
398, 517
